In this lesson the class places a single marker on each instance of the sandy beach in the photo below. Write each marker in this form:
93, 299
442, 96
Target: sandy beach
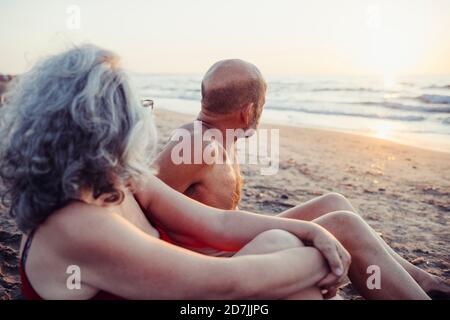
403, 192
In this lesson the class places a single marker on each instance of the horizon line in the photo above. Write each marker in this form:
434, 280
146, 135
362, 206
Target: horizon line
170, 73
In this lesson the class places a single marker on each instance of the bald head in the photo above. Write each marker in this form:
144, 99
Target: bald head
229, 85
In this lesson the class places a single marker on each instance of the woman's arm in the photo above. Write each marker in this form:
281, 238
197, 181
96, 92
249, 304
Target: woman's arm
184, 218
119, 258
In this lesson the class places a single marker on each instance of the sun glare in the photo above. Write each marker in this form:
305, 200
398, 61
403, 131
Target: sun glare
389, 80
382, 130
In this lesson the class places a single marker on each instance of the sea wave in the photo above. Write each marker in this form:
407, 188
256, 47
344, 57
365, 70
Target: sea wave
434, 98
352, 89
404, 107
350, 114
438, 87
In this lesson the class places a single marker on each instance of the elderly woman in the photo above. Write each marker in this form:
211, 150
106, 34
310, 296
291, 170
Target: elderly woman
74, 173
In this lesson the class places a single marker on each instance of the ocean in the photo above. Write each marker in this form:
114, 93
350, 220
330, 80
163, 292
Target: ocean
409, 110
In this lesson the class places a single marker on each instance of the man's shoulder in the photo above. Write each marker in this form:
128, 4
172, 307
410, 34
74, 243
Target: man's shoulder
188, 157
181, 158
187, 140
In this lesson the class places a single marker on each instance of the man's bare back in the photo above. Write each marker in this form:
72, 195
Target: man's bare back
216, 184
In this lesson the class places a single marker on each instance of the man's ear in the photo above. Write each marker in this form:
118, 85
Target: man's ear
246, 113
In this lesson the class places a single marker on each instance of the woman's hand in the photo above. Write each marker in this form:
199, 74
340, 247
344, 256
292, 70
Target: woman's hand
336, 255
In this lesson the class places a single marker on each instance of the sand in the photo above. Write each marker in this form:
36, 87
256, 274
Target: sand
401, 191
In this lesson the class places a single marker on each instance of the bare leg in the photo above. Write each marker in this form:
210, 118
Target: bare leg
335, 202
366, 251
275, 240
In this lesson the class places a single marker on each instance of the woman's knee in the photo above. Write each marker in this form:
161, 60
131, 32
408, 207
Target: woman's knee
278, 239
270, 241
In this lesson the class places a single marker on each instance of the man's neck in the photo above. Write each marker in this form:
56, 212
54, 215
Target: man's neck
221, 122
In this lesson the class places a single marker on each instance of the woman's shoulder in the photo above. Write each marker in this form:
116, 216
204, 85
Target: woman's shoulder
77, 210
75, 221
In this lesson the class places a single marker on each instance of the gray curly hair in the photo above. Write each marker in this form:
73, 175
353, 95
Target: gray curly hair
71, 125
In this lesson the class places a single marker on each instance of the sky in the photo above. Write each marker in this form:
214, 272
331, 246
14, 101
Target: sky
302, 37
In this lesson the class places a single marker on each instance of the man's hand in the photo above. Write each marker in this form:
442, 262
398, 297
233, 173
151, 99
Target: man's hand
336, 255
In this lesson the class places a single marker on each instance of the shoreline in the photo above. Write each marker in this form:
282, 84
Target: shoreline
192, 108
362, 134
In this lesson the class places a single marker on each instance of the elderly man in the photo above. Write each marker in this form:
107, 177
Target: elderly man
233, 96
